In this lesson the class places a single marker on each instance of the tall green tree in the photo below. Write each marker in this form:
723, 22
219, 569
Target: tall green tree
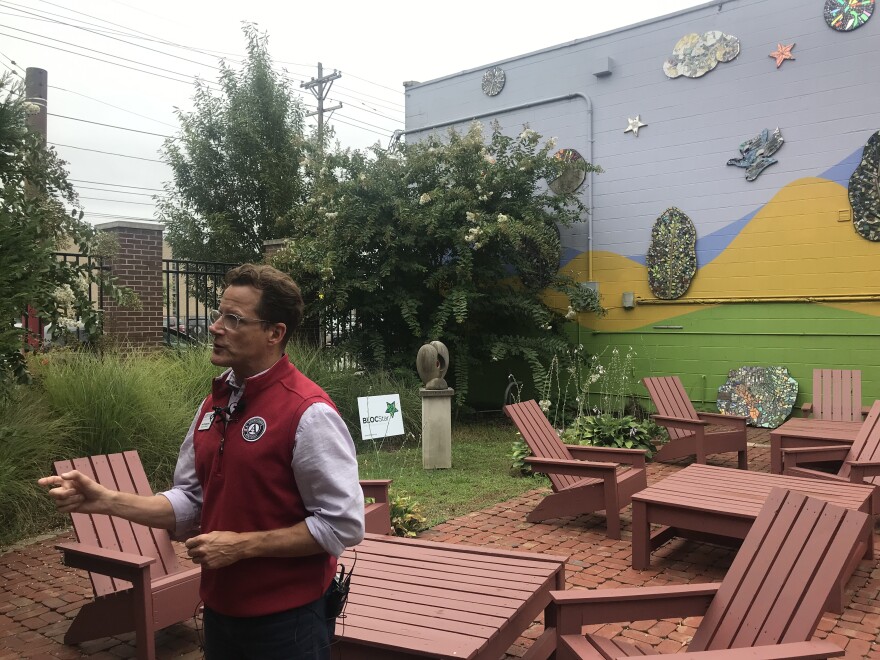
39, 213
236, 163
452, 239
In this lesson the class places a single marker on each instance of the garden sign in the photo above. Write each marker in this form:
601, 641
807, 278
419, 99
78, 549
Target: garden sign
380, 416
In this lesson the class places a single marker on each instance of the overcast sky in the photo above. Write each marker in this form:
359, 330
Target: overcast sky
375, 45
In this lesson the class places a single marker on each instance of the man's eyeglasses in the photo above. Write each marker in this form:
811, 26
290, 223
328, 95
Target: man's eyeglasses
232, 321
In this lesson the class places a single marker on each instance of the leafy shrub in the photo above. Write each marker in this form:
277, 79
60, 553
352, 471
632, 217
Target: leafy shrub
406, 516
519, 451
606, 430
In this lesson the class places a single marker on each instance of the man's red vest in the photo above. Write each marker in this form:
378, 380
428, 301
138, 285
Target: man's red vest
244, 467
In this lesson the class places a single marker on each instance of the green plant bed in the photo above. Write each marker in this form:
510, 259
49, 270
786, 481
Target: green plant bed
479, 477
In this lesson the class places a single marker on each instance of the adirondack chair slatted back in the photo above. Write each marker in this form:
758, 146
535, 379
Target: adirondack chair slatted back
866, 446
671, 400
837, 395
122, 472
776, 589
541, 438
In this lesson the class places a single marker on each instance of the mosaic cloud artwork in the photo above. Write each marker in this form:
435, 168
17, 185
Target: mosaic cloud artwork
573, 175
755, 153
672, 255
847, 15
764, 395
697, 54
864, 191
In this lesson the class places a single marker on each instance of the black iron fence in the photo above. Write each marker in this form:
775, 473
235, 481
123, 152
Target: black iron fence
40, 333
192, 290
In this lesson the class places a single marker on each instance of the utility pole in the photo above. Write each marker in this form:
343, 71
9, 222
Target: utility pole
320, 87
35, 90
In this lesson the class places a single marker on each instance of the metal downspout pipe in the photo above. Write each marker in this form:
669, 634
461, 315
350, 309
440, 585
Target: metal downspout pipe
523, 106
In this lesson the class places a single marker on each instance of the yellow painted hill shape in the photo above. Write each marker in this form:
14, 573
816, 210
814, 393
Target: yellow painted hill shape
795, 245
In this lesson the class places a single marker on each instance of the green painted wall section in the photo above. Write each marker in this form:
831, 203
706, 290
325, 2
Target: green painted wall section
712, 341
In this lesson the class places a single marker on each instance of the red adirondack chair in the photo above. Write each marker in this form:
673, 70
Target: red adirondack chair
138, 583
584, 479
767, 606
837, 396
858, 463
687, 428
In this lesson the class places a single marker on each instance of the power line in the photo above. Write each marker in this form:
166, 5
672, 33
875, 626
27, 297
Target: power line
109, 153
121, 128
97, 59
91, 98
119, 217
118, 185
369, 130
112, 190
120, 201
366, 123
15, 64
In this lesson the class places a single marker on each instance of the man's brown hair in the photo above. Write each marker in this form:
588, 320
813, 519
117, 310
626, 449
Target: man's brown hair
280, 299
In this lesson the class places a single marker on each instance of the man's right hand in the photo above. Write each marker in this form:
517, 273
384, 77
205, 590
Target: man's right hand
74, 492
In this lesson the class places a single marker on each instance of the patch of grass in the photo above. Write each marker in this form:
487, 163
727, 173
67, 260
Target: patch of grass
479, 477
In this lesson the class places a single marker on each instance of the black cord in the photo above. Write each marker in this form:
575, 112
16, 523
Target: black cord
198, 617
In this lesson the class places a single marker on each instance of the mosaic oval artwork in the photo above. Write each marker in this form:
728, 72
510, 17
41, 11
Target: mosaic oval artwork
697, 54
573, 175
864, 191
847, 15
764, 395
672, 254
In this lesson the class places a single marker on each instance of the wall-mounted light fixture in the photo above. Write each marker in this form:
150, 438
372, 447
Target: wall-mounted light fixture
628, 299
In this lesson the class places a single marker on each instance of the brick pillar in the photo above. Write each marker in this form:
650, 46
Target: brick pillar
271, 247
138, 266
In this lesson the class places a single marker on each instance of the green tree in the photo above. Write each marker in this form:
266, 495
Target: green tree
236, 163
450, 239
34, 223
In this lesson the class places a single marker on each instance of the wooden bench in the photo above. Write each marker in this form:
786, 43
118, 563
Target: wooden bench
717, 504
418, 599
809, 432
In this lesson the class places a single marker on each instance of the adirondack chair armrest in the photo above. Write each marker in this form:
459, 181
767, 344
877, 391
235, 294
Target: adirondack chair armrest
376, 489
861, 470
113, 563
634, 457
786, 651
738, 421
796, 456
807, 409
680, 422
581, 607
584, 469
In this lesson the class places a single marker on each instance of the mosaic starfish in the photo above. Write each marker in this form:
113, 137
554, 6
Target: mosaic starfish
782, 53
634, 125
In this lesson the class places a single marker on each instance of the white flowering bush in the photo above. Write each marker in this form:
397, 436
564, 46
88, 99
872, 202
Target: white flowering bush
452, 238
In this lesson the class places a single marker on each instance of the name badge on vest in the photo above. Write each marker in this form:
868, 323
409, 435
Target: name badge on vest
207, 420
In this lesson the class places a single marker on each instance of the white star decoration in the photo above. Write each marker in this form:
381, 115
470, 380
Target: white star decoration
634, 125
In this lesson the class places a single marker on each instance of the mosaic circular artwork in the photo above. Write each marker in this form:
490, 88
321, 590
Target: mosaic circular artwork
697, 54
672, 254
764, 395
864, 191
848, 15
572, 177
493, 81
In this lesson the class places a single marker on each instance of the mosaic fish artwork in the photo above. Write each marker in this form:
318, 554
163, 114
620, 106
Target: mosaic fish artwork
573, 175
696, 55
672, 254
755, 153
848, 15
864, 191
764, 395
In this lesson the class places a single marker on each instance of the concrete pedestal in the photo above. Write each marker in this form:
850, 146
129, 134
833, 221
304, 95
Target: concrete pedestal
436, 428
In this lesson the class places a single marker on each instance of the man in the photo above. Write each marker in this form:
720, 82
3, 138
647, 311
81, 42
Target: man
267, 474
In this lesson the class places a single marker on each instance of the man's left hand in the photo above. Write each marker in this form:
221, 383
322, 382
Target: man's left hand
216, 549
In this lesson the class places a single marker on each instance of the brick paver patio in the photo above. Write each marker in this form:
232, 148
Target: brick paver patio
39, 596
